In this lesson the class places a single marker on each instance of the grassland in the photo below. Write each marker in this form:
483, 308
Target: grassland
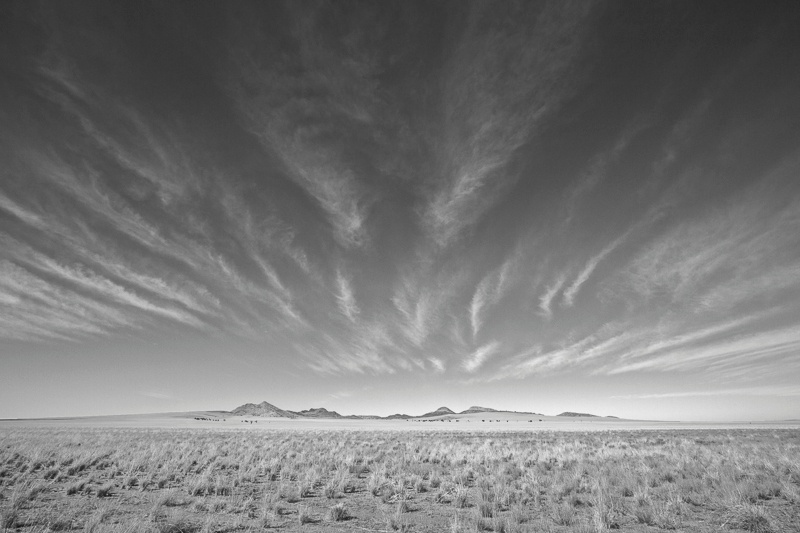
212, 480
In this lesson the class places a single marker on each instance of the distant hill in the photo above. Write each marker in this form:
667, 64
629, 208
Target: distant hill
570, 413
318, 412
439, 412
262, 409
478, 409
399, 417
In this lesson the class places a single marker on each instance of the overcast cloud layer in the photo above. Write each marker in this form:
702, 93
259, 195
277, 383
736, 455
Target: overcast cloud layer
464, 201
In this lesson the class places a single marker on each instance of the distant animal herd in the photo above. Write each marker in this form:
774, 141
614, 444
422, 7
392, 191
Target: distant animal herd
207, 419
457, 420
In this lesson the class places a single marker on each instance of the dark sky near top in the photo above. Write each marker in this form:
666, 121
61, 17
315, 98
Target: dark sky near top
383, 206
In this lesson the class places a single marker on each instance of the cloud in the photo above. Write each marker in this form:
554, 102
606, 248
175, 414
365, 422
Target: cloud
134, 142
572, 290
494, 105
597, 169
424, 300
767, 390
87, 279
346, 298
437, 364
715, 260
302, 106
743, 350
489, 292
23, 214
546, 299
480, 355
360, 352
40, 310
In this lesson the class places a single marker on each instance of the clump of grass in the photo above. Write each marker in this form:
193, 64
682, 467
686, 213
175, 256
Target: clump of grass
456, 523
306, 490
94, 522
77, 486
750, 517
376, 483
172, 498
484, 524
564, 515
333, 487
461, 496
9, 516
397, 521
294, 495
177, 523
304, 515
403, 506
644, 515
486, 509
105, 490
59, 524
338, 512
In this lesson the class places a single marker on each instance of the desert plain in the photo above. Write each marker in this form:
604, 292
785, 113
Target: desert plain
204, 472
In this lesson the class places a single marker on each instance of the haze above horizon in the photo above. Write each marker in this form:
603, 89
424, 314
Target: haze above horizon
387, 207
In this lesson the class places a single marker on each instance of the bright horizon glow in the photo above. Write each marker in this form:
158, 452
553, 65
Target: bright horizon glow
388, 208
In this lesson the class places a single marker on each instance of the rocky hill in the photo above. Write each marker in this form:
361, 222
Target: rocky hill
478, 409
318, 412
439, 412
262, 409
570, 413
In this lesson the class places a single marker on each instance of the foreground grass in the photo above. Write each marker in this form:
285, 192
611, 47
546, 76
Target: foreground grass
187, 481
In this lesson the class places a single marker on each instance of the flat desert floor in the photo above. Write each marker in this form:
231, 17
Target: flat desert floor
501, 472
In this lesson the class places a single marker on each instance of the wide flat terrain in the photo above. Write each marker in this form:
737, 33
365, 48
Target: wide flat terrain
173, 474
491, 421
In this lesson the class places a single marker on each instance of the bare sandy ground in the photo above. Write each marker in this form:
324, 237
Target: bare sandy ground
489, 422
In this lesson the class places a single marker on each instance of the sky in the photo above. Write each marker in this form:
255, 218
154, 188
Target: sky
386, 207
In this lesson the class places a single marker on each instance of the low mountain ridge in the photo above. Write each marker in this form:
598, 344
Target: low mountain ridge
266, 409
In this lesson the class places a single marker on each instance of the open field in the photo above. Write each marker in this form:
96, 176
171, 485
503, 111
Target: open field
319, 477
